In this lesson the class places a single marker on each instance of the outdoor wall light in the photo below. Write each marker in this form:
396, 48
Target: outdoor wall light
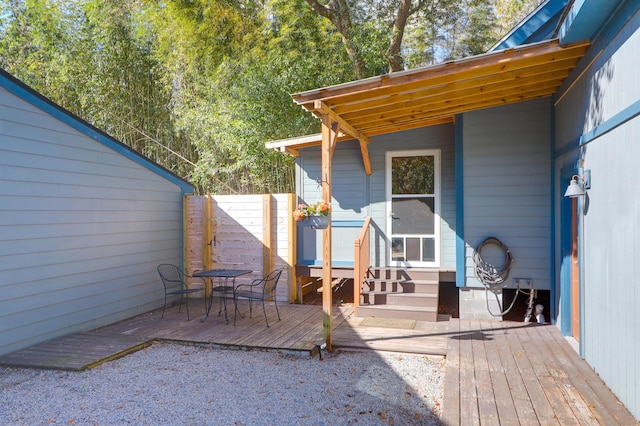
578, 185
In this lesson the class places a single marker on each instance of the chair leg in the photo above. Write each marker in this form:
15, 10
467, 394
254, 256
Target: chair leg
235, 308
186, 300
276, 303
264, 311
164, 306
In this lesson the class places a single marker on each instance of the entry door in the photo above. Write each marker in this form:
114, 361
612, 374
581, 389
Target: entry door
575, 272
570, 306
413, 207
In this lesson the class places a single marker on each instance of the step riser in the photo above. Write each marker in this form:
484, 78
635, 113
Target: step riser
406, 274
401, 293
391, 299
402, 287
430, 301
371, 311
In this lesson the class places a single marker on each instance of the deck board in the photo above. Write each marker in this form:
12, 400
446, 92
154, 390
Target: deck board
427, 338
75, 352
487, 401
451, 412
535, 378
497, 373
299, 332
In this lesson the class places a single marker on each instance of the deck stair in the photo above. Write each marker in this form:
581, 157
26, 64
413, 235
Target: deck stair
402, 293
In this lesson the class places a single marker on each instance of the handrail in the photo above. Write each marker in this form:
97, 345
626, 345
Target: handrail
362, 261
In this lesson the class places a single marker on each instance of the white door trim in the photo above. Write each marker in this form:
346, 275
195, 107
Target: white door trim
436, 153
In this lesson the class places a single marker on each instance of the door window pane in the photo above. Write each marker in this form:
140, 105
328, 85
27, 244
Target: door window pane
428, 250
413, 249
413, 215
397, 249
413, 175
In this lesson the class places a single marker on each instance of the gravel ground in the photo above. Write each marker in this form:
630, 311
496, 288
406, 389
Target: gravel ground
169, 384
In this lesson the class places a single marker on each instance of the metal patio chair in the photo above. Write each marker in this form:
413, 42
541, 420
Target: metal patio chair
174, 281
260, 289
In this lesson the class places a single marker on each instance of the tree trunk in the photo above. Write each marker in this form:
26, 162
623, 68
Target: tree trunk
396, 62
337, 12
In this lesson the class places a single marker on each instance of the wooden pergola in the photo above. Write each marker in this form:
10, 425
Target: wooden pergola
423, 97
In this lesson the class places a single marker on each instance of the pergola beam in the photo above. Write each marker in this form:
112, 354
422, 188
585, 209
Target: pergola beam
322, 109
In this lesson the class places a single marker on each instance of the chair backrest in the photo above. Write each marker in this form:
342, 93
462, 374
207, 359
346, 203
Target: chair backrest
172, 277
270, 281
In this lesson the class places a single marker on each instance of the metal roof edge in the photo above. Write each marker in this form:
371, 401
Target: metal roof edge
28, 94
409, 72
533, 22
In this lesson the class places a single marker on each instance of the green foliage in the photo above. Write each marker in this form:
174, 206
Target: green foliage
200, 85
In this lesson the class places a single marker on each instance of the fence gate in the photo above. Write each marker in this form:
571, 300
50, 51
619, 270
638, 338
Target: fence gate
254, 232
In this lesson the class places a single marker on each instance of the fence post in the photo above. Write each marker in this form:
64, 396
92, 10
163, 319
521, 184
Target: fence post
267, 229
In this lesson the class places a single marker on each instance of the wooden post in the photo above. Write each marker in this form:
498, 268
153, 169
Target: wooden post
267, 258
327, 300
207, 236
292, 250
185, 234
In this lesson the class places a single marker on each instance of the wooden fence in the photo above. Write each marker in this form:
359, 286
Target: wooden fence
253, 232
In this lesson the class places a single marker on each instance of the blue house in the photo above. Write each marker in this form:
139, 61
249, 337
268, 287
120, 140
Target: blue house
423, 166
84, 221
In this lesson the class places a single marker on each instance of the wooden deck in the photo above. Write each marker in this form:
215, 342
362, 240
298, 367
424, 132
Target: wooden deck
512, 373
299, 332
498, 373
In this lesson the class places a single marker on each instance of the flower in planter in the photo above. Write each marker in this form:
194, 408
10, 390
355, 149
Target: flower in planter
321, 208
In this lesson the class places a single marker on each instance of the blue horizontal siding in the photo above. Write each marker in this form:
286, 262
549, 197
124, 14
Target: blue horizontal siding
83, 229
507, 187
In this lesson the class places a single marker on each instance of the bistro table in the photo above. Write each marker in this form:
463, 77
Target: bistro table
226, 284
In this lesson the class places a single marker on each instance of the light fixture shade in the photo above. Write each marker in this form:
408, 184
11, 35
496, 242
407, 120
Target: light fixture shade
574, 189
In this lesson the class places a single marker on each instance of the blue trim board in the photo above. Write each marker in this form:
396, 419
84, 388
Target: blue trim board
619, 119
347, 223
586, 18
565, 263
36, 99
459, 178
552, 212
566, 243
540, 24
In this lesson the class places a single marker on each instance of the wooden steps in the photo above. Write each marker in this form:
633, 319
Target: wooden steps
403, 293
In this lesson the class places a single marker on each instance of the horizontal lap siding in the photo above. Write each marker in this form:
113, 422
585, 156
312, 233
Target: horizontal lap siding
611, 239
356, 196
349, 183
83, 229
507, 186
349, 200
435, 137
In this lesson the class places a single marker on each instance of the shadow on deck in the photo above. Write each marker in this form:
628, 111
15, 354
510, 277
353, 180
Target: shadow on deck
512, 373
505, 373
298, 333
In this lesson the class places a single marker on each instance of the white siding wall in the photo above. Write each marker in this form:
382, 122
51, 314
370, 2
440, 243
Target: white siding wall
611, 239
507, 178
82, 229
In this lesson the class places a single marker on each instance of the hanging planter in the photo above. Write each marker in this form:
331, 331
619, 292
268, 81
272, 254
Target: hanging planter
319, 222
315, 215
